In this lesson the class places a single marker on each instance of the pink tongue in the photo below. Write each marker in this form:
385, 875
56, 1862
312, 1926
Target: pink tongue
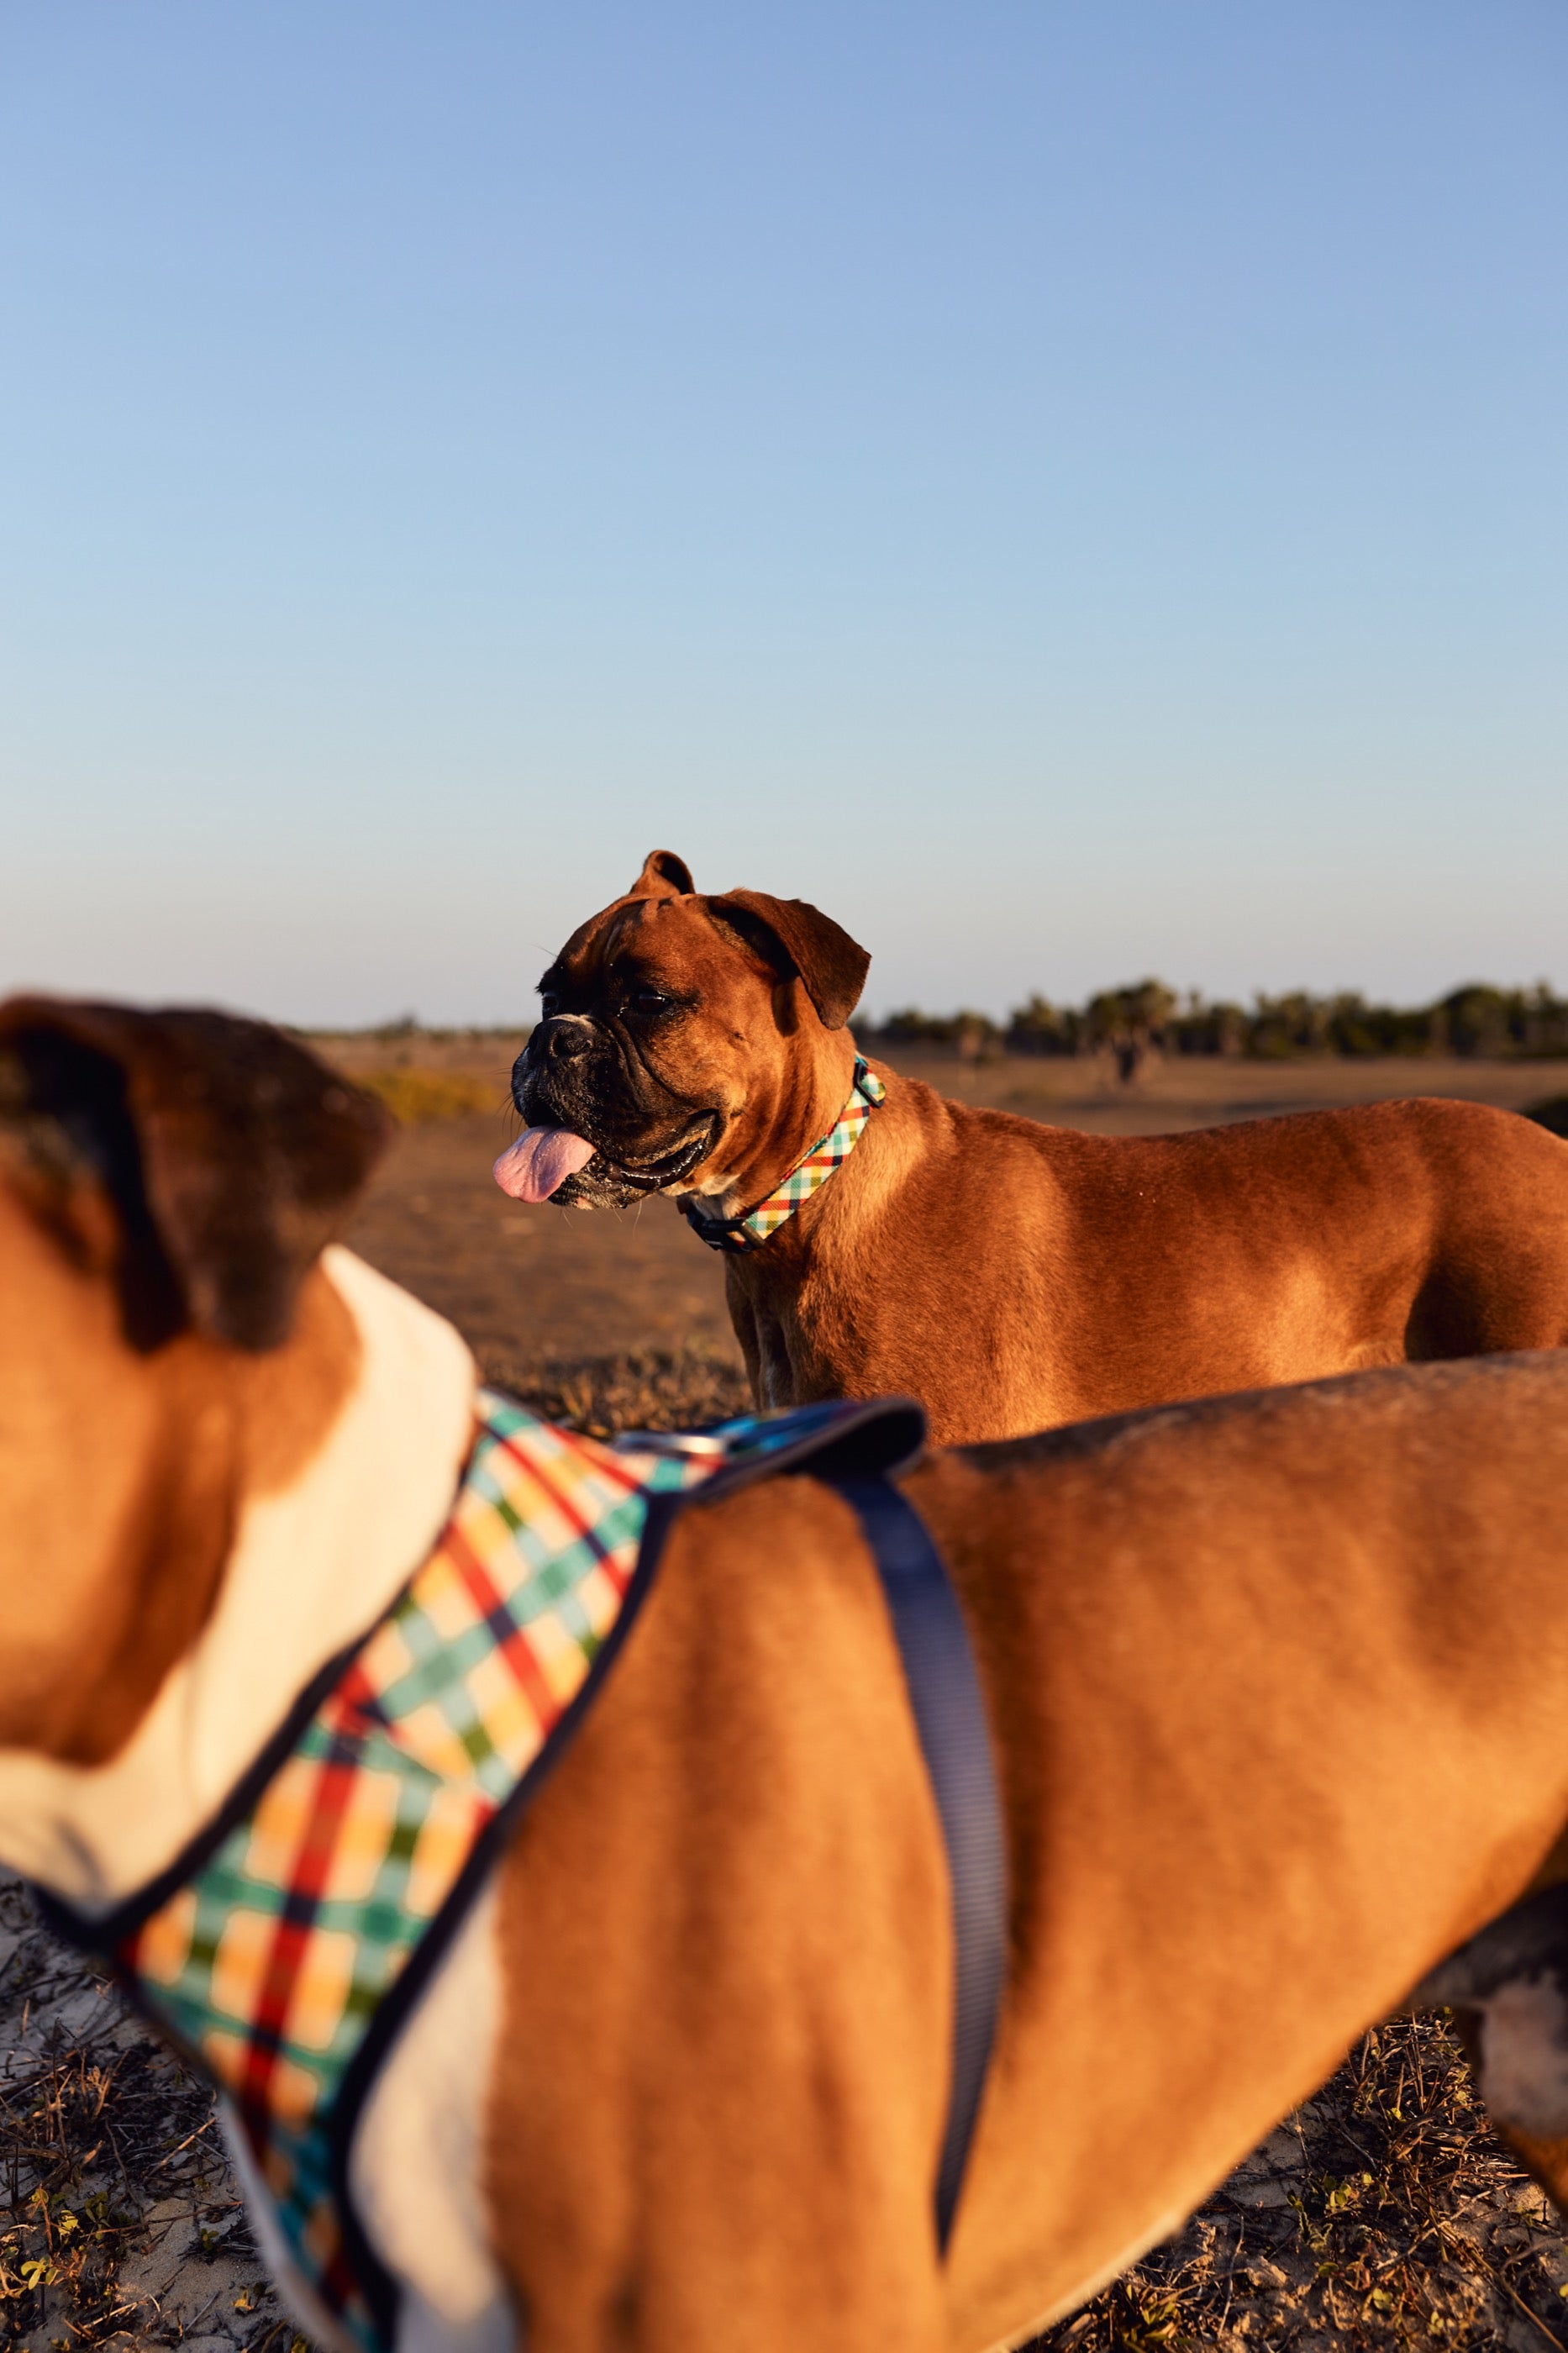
541, 1159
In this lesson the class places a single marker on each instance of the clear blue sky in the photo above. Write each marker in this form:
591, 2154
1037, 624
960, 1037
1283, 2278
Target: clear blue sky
1073, 489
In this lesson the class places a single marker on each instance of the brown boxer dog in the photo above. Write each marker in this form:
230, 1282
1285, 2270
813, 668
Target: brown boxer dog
1008, 1274
1276, 1685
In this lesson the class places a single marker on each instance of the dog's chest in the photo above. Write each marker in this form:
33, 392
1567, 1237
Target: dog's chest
294, 1946
327, 1918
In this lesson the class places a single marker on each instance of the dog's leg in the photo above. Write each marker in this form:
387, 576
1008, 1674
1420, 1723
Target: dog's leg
1509, 1987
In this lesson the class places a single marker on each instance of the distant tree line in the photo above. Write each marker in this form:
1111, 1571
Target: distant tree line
1130, 1023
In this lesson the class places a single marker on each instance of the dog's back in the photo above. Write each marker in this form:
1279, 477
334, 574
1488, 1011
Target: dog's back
1047, 1275
1279, 1685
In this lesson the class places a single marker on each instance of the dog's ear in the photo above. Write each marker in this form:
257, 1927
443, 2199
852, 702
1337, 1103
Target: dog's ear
230, 1153
663, 876
794, 936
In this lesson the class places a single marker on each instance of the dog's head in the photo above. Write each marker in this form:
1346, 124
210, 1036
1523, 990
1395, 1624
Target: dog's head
167, 1182
220, 1155
675, 1030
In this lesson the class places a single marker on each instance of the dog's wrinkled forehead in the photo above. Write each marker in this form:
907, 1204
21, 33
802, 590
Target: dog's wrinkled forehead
664, 933
671, 940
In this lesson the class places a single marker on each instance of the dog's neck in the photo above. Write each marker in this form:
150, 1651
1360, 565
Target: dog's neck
311, 1566
749, 1229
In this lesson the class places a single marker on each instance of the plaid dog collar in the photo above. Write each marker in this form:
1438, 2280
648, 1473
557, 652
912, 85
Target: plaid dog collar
284, 1948
755, 1227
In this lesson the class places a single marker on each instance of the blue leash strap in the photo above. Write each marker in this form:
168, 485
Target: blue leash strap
950, 1716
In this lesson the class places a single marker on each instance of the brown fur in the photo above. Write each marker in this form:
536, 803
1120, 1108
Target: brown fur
123, 1465
1278, 1686
1009, 1274
1279, 1689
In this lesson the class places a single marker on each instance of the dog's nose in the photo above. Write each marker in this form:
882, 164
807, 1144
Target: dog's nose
565, 1039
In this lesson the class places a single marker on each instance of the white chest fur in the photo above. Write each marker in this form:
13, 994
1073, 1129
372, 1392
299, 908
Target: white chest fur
417, 2171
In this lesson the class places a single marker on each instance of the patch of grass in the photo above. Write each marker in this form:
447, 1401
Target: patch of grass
110, 2166
415, 1096
1385, 2214
645, 1389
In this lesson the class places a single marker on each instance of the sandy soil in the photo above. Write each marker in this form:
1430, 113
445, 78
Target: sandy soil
121, 2224
529, 1286
1210, 1091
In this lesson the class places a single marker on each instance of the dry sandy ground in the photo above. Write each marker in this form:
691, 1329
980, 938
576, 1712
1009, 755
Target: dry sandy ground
1205, 1090
1381, 2214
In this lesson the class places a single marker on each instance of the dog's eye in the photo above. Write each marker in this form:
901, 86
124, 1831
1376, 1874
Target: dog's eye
650, 1003
548, 1004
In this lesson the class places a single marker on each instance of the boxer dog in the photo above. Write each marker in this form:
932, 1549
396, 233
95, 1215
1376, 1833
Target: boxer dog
1008, 1274
1277, 1688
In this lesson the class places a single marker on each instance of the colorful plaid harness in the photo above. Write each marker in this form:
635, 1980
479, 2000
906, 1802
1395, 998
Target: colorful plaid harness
284, 1948
751, 1230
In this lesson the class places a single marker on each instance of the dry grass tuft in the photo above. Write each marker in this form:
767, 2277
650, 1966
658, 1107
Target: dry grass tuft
645, 1388
119, 2224
1384, 2213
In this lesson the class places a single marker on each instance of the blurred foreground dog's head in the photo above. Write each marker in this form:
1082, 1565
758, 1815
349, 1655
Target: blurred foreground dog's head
167, 1182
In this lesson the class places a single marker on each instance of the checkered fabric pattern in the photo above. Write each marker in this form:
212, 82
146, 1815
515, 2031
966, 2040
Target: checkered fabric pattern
269, 1962
757, 1226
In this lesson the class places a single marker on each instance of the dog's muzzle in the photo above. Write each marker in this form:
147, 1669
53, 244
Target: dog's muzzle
554, 1085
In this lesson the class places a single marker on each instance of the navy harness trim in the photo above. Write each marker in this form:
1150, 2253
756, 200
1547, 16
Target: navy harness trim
950, 1716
